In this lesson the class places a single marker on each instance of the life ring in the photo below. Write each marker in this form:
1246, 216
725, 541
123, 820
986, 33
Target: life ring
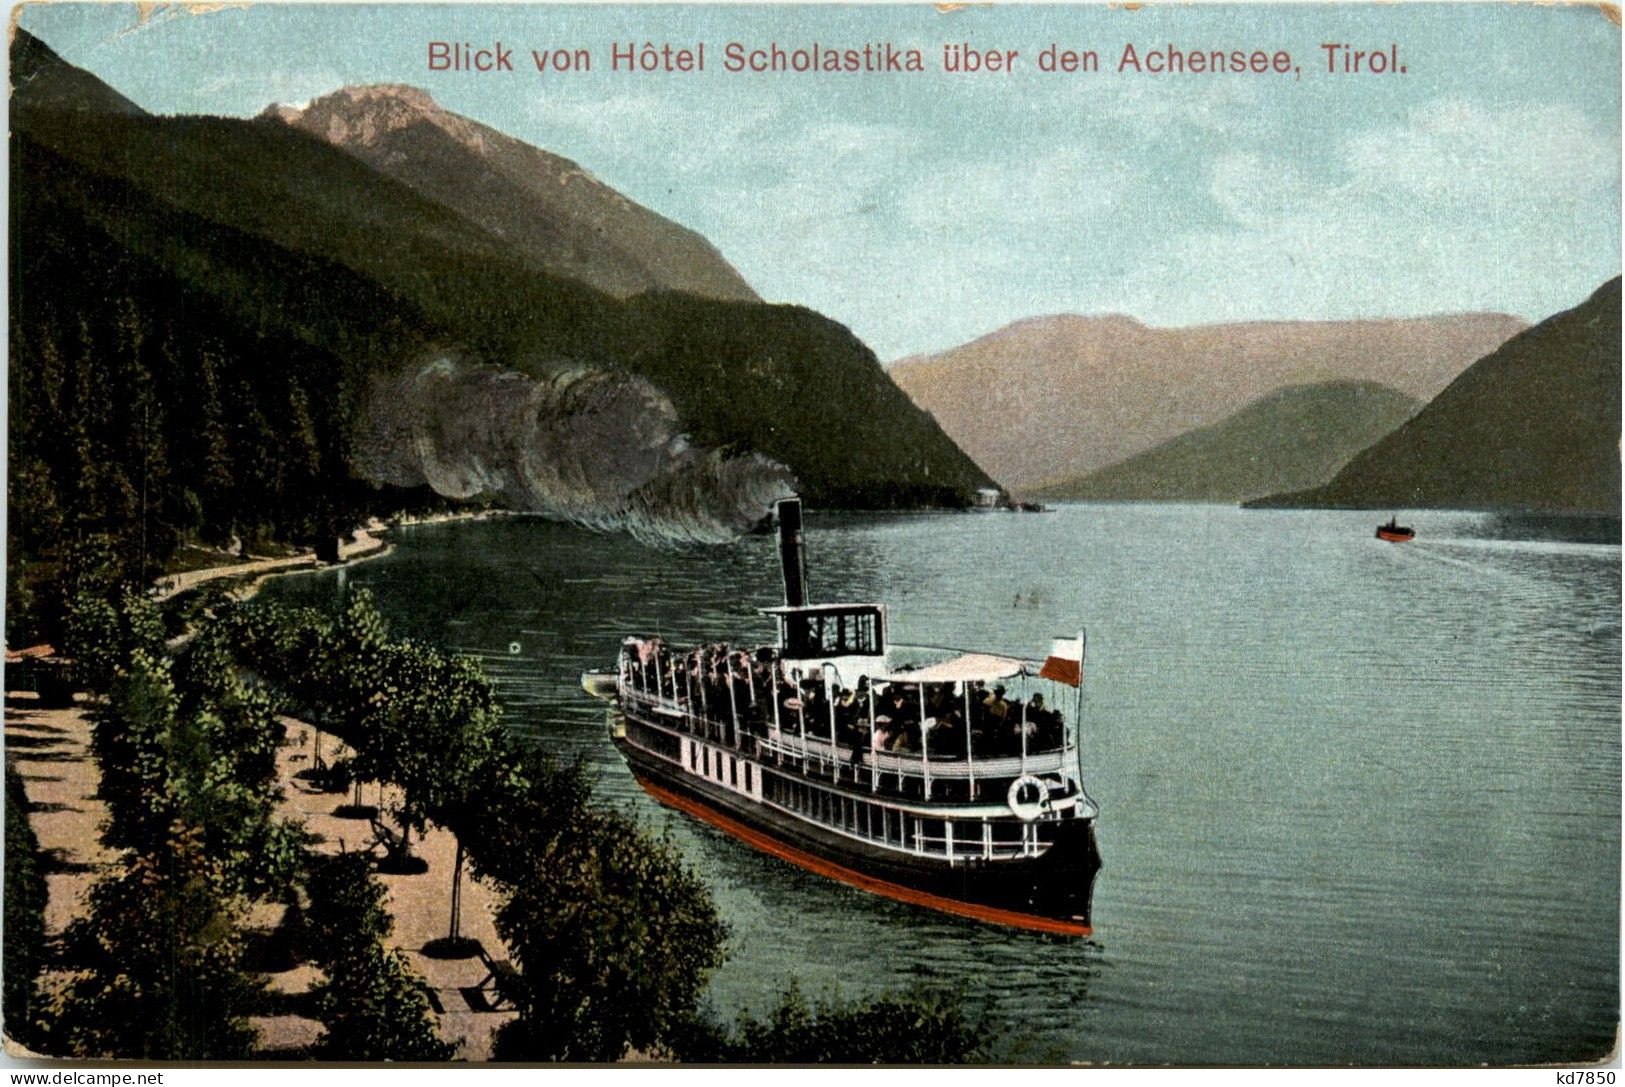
1027, 810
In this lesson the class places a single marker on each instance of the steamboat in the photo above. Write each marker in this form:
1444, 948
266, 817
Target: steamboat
951, 780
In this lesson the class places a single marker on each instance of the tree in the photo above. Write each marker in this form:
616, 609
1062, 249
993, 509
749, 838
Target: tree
918, 1027
106, 627
24, 931
193, 760
372, 1006
614, 936
162, 955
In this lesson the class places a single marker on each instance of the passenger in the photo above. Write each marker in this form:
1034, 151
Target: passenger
947, 739
997, 708
813, 707
983, 740
981, 719
1050, 733
846, 715
904, 710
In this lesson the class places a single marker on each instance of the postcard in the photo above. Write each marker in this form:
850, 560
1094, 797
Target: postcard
814, 534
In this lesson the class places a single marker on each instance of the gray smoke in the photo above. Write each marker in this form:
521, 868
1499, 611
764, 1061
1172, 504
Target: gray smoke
599, 447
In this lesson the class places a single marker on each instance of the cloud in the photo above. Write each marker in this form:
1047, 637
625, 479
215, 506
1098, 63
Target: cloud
1454, 150
1459, 203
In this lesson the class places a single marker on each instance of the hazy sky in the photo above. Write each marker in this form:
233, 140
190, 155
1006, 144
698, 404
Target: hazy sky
923, 210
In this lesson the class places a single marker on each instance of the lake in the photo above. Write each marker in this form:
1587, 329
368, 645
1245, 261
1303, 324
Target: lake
1360, 801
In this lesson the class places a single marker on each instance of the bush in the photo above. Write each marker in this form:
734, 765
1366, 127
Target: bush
919, 1027
24, 933
195, 757
162, 955
615, 937
104, 630
372, 1006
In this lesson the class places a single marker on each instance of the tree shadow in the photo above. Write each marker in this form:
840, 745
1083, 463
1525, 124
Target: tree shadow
56, 862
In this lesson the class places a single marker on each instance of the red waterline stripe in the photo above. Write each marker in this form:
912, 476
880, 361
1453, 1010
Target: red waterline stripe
846, 875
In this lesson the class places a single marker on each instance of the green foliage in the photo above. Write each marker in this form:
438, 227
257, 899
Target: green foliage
615, 936
162, 955
199, 762
107, 333
105, 629
24, 932
371, 1004
918, 1027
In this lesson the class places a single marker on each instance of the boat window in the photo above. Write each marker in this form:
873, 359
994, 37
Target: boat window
833, 634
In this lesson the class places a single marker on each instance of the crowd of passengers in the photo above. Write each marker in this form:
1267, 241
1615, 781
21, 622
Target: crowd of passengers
725, 684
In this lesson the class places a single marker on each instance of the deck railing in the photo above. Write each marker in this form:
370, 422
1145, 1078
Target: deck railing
755, 728
892, 763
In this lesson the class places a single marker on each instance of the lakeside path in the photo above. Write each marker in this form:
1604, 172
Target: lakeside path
365, 546
420, 904
50, 748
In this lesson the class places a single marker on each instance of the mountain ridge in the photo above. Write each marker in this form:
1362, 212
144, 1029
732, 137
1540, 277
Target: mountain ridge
1057, 397
1297, 436
548, 207
1533, 425
226, 328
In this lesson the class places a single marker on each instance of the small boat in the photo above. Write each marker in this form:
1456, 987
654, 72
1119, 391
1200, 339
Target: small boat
947, 779
1395, 532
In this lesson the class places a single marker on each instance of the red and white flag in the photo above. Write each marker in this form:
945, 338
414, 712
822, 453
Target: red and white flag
1065, 662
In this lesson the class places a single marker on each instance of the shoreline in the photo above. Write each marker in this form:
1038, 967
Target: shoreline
50, 746
369, 543
365, 546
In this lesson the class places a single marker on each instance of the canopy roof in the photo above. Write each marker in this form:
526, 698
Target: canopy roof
958, 669
814, 609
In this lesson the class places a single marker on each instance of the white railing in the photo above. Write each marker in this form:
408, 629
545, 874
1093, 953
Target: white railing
911, 765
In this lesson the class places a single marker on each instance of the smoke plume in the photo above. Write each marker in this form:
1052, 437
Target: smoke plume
599, 447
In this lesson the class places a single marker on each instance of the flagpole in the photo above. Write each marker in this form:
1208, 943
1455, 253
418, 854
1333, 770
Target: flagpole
1077, 720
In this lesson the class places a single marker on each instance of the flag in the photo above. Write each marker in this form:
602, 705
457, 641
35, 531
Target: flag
1065, 662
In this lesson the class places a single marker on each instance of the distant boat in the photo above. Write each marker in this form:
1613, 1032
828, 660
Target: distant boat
1394, 532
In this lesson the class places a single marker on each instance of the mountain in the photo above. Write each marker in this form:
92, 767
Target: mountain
228, 328
1054, 398
39, 76
539, 204
1534, 425
1296, 437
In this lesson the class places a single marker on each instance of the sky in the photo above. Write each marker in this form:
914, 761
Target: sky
925, 209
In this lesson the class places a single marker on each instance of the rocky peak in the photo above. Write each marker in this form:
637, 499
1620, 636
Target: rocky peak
362, 116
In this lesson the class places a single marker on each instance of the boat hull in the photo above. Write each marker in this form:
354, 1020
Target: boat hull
1049, 893
1395, 537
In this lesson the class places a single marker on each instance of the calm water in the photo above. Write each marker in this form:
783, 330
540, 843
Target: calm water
1360, 801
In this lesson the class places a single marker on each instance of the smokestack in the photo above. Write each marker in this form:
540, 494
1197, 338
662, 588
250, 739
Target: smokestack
792, 558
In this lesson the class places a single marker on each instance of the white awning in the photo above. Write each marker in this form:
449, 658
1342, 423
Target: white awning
958, 669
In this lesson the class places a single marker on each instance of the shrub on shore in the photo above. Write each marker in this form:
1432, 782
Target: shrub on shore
24, 932
371, 1005
919, 1027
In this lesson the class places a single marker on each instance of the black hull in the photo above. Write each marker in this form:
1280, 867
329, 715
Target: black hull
1048, 893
